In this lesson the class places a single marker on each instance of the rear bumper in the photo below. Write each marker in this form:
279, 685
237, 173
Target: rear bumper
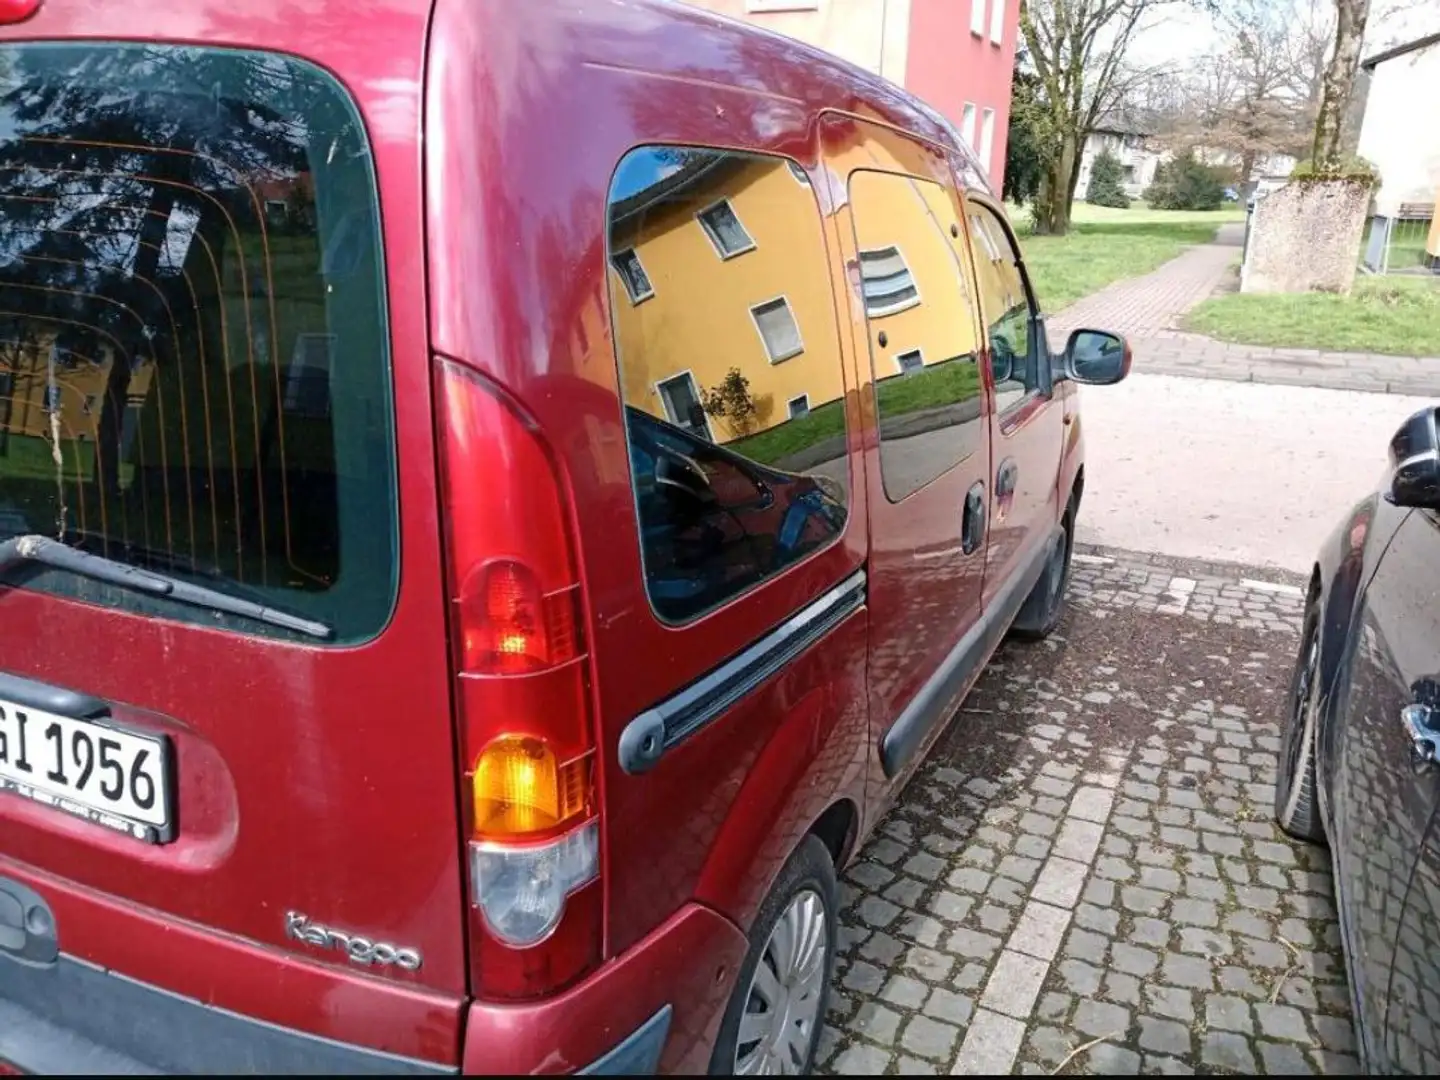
70, 1017
655, 1008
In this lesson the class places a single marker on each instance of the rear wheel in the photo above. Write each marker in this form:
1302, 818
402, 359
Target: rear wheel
772, 1025
1040, 614
1296, 807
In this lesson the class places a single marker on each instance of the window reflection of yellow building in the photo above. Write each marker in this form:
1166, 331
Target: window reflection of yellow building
32, 381
719, 263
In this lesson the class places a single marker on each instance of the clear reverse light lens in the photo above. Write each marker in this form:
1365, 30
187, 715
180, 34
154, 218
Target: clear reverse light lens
521, 890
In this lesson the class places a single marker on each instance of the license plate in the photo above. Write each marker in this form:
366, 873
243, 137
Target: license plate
89, 768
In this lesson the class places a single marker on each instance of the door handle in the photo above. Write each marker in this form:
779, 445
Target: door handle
972, 524
1006, 477
1419, 723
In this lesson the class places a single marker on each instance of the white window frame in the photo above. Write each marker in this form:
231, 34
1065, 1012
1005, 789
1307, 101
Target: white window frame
997, 20
625, 281
909, 352
902, 305
967, 123
714, 237
977, 17
665, 402
790, 407
987, 136
756, 7
799, 337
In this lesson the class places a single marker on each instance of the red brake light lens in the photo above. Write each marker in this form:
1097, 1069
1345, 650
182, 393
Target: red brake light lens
14, 11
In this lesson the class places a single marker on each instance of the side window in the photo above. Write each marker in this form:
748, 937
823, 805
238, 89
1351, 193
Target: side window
1004, 301
730, 370
923, 332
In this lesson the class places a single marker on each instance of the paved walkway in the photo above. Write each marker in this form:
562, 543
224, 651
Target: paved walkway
1148, 309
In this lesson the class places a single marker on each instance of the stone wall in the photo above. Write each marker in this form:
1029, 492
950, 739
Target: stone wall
1305, 237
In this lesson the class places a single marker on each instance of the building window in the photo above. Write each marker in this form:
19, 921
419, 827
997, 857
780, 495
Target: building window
778, 330
887, 282
997, 21
967, 124
798, 406
910, 362
680, 398
987, 136
977, 16
801, 176
637, 282
723, 228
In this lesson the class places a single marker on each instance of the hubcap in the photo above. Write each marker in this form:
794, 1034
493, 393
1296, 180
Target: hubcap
1304, 690
782, 1005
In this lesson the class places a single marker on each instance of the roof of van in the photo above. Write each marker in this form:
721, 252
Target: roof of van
657, 37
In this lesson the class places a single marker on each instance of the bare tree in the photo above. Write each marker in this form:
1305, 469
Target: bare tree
1338, 84
1078, 49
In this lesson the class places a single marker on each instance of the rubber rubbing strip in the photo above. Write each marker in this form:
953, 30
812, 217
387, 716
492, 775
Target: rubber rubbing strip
647, 737
931, 704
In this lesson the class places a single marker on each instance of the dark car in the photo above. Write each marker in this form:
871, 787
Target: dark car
1358, 758
496, 499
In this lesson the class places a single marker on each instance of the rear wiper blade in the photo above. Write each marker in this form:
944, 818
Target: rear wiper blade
48, 552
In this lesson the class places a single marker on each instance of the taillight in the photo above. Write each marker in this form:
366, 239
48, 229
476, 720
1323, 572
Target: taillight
526, 730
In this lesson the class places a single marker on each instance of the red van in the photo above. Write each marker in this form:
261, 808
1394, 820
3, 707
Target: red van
495, 499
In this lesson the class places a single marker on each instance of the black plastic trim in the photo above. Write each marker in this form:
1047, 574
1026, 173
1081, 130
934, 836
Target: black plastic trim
639, 1053
47, 698
931, 706
663, 726
73, 1017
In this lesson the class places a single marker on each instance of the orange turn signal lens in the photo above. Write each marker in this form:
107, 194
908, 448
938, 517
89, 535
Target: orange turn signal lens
520, 789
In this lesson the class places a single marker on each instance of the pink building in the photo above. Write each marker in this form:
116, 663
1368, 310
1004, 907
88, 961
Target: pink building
956, 54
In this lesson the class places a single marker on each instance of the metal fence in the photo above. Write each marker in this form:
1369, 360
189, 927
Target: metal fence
1397, 244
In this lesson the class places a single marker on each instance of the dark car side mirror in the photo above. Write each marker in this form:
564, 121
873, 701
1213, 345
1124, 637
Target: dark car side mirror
1096, 357
1415, 462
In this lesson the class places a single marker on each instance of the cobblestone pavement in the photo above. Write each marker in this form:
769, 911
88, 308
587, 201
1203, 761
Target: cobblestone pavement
1084, 874
1147, 310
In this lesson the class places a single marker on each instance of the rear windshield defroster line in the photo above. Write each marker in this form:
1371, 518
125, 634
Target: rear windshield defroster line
194, 361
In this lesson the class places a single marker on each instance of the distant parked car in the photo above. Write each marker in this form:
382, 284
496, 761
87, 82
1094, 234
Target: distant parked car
1359, 751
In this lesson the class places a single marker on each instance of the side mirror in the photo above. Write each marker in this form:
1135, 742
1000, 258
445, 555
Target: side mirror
1096, 357
1002, 360
1415, 462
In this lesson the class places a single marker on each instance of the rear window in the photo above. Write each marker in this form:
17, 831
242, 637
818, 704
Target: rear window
194, 374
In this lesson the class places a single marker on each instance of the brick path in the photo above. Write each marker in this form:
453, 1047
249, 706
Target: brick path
1147, 310
1085, 872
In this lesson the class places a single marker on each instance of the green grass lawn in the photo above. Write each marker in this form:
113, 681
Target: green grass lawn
1105, 245
1398, 316
939, 384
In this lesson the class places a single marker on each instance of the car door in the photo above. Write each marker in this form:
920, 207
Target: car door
1026, 427
926, 452
1385, 797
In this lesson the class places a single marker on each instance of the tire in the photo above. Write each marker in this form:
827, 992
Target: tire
1297, 809
806, 886
1041, 612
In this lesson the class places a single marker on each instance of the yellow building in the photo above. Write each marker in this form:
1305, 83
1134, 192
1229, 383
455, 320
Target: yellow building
719, 263
33, 382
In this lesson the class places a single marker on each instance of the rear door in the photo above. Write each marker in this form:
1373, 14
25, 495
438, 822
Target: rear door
1386, 796
913, 313
255, 810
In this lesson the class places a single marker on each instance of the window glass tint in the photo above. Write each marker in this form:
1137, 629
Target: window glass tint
731, 371
193, 356
1007, 310
923, 335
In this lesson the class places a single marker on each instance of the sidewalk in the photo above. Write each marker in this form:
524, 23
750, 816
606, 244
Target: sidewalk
1147, 310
